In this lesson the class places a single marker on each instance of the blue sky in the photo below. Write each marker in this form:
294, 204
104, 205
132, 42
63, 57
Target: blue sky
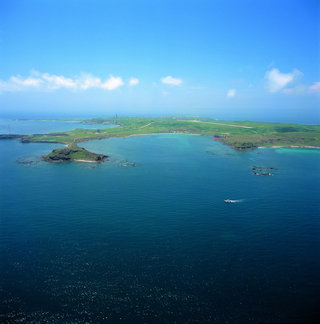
226, 59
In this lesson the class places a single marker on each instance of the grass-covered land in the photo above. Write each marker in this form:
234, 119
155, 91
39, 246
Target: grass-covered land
244, 135
73, 153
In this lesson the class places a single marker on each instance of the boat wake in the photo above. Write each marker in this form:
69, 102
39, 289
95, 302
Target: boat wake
230, 201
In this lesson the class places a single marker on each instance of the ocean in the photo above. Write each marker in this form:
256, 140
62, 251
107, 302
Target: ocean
146, 236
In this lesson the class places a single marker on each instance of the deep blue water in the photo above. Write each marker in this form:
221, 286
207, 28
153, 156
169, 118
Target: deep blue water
156, 243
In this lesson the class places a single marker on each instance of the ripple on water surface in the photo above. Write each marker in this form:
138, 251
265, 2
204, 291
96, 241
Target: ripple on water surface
156, 243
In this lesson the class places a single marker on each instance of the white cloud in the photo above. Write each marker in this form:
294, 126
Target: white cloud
315, 88
57, 81
112, 83
27, 82
277, 81
172, 81
302, 89
17, 83
231, 93
134, 81
46, 81
87, 81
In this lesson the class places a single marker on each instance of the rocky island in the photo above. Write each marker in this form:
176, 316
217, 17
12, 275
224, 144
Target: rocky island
73, 153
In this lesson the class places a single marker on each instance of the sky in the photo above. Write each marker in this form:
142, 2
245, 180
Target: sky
225, 59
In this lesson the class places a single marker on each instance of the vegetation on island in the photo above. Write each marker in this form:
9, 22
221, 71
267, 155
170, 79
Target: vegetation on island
241, 135
73, 153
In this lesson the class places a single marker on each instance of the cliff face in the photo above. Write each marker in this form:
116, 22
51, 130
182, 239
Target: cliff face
73, 153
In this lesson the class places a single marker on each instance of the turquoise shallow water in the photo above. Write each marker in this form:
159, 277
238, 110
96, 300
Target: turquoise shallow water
156, 243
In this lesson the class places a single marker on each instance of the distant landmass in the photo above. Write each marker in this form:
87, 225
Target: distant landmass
241, 135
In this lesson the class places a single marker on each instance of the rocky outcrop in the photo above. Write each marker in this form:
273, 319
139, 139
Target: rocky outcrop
73, 153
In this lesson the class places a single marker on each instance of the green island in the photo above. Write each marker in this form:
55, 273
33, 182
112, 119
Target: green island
73, 153
241, 135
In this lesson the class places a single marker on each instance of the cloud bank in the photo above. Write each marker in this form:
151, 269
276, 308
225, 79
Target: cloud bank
46, 81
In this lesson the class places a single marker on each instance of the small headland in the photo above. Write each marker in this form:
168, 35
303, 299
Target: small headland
73, 153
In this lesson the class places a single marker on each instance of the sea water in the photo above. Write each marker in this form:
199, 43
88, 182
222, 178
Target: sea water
34, 126
146, 236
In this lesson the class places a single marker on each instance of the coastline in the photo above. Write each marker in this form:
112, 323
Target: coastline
156, 134
240, 137
89, 161
290, 146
